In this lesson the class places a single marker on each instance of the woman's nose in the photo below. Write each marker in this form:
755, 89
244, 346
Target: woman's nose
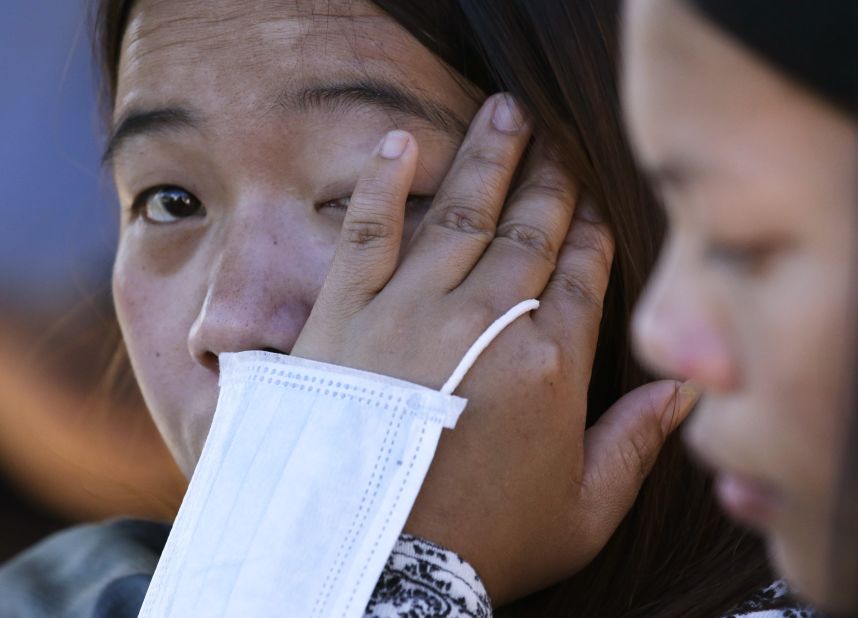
262, 281
679, 333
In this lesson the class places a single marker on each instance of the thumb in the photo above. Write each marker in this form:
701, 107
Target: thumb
622, 447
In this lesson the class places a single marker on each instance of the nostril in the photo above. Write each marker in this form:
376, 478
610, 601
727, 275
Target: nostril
210, 361
273, 350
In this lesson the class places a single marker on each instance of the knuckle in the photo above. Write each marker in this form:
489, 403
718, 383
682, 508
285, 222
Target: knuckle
467, 216
530, 237
476, 313
478, 317
593, 238
547, 188
366, 233
590, 236
547, 362
579, 287
554, 358
493, 161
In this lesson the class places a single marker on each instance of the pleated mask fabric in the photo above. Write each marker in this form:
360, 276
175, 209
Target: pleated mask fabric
304, 484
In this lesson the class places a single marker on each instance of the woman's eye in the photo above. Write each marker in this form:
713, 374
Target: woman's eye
339, 204
745, 259
167, 205
416, 204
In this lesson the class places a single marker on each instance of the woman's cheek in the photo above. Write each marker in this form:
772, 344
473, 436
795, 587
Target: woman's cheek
128, 296
154, 312
163, 250
796, 338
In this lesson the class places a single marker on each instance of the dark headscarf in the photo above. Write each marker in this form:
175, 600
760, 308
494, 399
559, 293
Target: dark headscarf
813, 41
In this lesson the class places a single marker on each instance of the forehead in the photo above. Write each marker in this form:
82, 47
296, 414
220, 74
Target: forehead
232, 55
674, 88
696, 96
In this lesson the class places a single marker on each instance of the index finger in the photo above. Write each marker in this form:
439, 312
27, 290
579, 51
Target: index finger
371, 235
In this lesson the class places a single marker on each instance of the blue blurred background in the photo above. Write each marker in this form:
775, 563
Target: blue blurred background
70, 449
58, 229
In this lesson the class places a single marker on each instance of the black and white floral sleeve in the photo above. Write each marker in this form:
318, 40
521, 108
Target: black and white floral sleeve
422, 579
769, 603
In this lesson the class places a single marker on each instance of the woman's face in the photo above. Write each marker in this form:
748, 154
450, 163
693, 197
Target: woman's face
238, 136
751, 298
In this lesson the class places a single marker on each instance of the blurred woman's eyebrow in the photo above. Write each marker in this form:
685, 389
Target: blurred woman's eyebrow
673, 174
332, 97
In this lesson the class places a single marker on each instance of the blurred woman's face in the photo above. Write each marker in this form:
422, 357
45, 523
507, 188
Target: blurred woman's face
751, 298
238, 137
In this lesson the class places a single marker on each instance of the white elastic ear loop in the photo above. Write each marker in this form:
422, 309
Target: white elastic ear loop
484, 341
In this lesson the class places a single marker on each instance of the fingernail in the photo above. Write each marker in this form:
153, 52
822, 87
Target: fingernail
508, 116
394, 145
689, 394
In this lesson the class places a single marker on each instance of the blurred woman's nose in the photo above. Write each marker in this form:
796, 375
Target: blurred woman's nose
678, 332
264, 276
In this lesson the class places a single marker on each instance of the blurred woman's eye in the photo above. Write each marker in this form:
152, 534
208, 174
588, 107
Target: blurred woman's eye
166, 205
416, 204
744, 258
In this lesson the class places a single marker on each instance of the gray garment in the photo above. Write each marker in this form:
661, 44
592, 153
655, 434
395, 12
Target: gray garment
90, 571
104, 570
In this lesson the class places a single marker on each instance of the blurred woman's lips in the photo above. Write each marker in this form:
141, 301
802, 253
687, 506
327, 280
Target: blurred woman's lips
748, 501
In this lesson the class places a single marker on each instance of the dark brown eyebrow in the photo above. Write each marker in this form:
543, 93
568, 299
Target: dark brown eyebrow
333, 97
135, 123
348, 95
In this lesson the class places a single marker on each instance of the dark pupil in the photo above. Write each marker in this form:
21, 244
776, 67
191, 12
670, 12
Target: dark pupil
177, 202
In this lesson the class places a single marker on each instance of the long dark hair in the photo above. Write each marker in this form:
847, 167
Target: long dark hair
674, 554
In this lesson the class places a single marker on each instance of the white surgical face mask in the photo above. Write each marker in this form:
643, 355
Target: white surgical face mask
304, 485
